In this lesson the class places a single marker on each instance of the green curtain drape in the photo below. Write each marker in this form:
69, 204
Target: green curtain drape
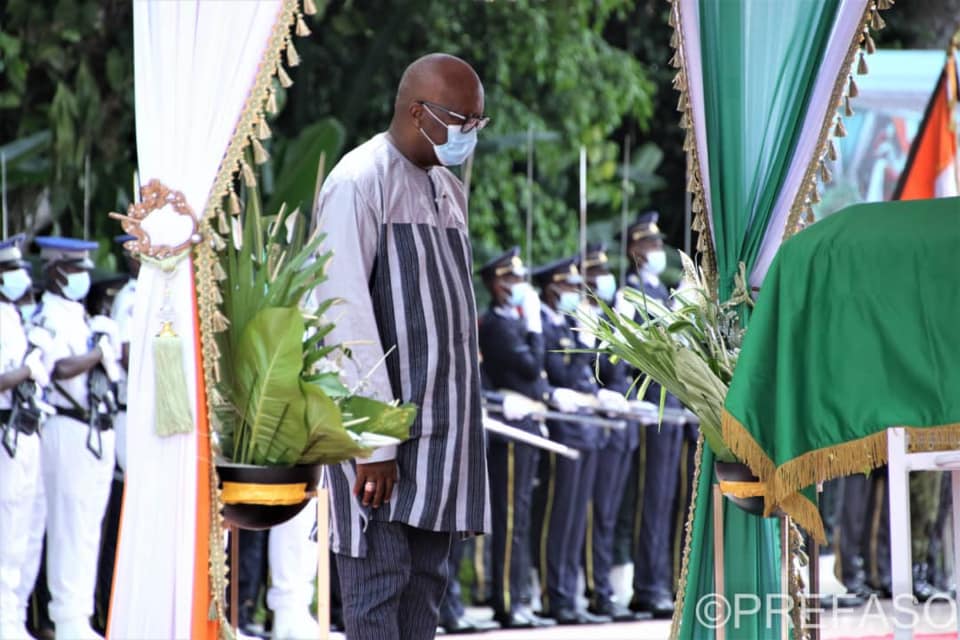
760, 60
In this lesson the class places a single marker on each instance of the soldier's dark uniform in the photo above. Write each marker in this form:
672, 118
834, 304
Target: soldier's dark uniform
655, 471
566, 486
512, 360
614, 459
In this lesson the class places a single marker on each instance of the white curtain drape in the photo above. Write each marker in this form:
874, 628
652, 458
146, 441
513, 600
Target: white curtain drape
195, 63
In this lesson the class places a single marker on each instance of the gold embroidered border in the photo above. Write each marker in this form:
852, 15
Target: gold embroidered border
807, 194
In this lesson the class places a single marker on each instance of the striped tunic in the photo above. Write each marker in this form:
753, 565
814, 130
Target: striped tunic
402, 266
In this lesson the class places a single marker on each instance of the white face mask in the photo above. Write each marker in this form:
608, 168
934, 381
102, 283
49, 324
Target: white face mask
457, 148
14, 284
518, 291
606, 287
27, 311
656, 262
568, 301
78, 284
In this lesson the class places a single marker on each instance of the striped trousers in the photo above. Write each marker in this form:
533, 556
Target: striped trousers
394, 592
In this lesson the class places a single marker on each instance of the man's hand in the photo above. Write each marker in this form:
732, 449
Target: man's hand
375, 482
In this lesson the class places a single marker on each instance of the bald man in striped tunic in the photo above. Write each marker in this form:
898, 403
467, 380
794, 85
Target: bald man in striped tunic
396, 220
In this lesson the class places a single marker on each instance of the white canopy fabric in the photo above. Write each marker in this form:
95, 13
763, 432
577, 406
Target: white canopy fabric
195, 65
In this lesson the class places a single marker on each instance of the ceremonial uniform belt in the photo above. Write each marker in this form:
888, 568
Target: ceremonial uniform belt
84, 417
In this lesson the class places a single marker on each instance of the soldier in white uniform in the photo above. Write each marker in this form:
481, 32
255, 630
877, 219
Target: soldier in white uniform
122, 314
21, 485
78, 442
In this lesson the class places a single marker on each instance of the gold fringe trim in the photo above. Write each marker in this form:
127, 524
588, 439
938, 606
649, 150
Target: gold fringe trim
688, 527
259, 99
785, 482
800, 202
699, 208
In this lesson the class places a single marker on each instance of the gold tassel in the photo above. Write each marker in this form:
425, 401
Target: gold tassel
884, 4
215, 295
234, 204
852, 90
271, 101
219, 322
672, 19
831, 151
218, 273
675, 60
876, 21
684, 121
688, 142
284, 79
293, 59
825, 174
222, 225
309, 7
840, 131
870, 45
862, 65
847, 109
302, 29
682, 102
701, 242
814, 194
263, 129
172, 414
674, 40
697, 205
260, 154
809, 218
217, 242
249, 178
693, 185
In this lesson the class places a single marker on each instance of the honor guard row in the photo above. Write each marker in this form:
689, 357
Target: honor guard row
562, 516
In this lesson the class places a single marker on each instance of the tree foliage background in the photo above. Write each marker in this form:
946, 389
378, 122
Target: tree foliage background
581, 72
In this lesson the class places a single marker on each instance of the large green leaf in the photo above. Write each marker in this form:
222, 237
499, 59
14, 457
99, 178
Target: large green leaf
267, 361
378, 417
297, 177
328, 442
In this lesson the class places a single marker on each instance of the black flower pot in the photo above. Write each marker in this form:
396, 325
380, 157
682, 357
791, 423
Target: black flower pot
258, 498
739, 472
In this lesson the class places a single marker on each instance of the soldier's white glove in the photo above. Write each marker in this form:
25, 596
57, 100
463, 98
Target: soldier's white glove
40, 338
531, 311
108, 358
612, 401
103, 324
516, 407
567, 400
38, 372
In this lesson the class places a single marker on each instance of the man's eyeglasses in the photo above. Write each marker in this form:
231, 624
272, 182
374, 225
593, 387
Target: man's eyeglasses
470, 123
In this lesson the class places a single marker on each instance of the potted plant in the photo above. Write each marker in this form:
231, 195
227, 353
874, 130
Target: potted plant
282, 409
691, 349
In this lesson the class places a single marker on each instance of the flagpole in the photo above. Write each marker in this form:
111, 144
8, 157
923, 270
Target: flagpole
583, 214
529, 247
3, 192
624, 209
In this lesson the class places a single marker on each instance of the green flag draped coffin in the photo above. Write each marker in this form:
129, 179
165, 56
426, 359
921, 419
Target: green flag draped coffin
857, 329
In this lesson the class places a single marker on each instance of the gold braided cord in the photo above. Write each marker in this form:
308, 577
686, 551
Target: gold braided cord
208, 272
688, 528
832, 122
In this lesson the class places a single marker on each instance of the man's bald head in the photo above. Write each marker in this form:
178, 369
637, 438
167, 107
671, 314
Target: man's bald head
443, 79
440, 79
